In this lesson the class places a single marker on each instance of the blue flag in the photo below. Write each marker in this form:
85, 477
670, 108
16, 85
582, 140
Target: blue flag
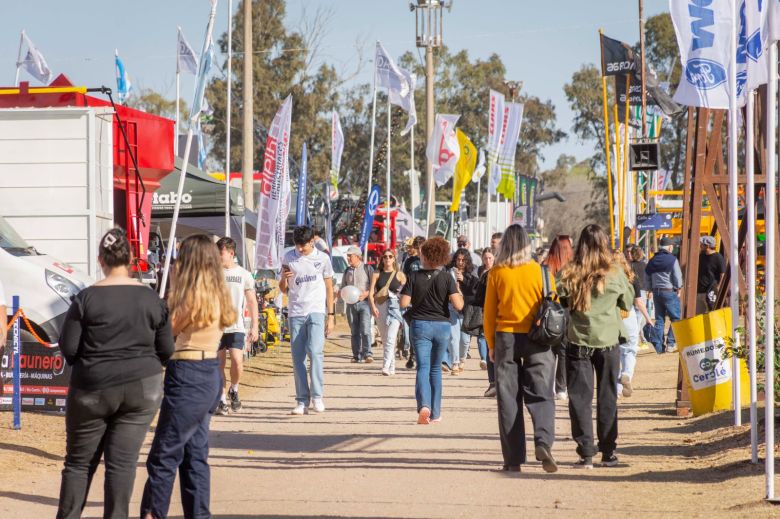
368, 221
203, 73
300, 206
123, 85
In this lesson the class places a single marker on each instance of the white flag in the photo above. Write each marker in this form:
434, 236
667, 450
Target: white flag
186, 60
273, 202
34, 62
495, 123
509, 137
406, 102
389, 75
414, 189
443, 149
336, 149
704, 36
480, 170
752, 42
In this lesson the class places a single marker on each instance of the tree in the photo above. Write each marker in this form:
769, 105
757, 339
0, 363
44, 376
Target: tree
153, 102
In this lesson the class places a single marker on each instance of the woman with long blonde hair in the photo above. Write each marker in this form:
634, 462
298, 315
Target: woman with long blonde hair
523, 369
201, 308
593, 288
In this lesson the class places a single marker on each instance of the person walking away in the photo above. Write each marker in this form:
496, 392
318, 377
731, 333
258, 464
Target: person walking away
524, 369
241, 286
307, 279
476, 260
488, 259
429, 293
411, 264
593, 288
629, 345
712, 267
116, 335
463, 271
359, 314
560, 254
664, 278
383, 296
201, 308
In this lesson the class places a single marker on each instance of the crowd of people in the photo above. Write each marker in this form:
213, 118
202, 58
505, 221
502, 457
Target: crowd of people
118, 335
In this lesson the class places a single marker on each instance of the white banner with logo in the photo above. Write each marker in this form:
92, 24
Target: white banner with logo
443, 149
704, 36
273, 203
336, 150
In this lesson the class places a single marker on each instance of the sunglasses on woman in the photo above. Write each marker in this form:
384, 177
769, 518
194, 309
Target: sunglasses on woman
388, 256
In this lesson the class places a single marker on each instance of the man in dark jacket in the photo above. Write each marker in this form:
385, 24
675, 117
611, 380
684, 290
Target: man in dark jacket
664, 278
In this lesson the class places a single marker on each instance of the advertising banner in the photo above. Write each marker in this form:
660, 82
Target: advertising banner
44, 377
368, 220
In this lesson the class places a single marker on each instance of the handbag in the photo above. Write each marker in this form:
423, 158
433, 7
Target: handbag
549, 326
383, 294
472, 320
408, 314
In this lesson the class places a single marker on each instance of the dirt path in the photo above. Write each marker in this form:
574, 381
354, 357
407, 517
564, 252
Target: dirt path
365, 457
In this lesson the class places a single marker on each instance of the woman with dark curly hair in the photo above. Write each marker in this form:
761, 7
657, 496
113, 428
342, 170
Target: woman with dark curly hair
430, 292
461, 268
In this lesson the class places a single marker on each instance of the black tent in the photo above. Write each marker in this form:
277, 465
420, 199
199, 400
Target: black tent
202, 195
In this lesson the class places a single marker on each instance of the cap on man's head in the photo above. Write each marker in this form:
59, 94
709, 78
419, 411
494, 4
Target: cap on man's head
354, 251
667, 242
708, 241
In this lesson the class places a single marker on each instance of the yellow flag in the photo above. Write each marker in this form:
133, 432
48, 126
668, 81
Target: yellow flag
464, 169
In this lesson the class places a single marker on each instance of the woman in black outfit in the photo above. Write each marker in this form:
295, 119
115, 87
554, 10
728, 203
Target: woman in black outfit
462, 269
116, 336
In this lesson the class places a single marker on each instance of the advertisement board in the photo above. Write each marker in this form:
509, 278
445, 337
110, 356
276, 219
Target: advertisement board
44, 376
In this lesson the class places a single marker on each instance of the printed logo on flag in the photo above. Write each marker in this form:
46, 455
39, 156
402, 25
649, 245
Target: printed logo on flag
704, 74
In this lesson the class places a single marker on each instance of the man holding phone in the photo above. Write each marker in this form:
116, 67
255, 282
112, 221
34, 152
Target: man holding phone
307, 279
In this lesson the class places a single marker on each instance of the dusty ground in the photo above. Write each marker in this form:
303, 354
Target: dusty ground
365, 457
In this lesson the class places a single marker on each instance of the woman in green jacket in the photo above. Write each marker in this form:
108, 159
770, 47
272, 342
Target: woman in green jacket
593, 288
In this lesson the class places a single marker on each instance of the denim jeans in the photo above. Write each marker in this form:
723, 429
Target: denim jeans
524, 375
459, 341
388, 330
667, 304
359, 316
629, 349
581, 362
307, 338
181, 440
112, 423
431, 339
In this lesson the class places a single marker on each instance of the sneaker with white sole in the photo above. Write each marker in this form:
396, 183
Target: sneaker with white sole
584, 463
385, 372
483, 364
318, 405
625, 381
222, 409
562, 395
299, 409
609, 461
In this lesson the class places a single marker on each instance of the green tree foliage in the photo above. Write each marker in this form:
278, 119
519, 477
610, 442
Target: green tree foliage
153, 102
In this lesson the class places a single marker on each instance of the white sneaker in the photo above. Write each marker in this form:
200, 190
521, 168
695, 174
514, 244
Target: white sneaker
385, 372
318, 405
561, 395
299, 409
483, 364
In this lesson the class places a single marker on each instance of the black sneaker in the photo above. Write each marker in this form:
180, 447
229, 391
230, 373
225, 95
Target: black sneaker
222, 409
609, 461
410, 364
584, 463
544, 455
235, 403
491, 391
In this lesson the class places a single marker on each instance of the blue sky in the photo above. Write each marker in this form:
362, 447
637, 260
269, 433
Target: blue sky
541, 42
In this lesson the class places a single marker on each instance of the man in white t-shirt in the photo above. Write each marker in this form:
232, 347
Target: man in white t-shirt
307, 279
3, 317
241, 286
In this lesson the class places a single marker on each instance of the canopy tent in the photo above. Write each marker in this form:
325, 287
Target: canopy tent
202, 195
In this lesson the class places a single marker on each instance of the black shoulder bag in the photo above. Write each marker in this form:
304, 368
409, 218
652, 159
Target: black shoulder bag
549, 326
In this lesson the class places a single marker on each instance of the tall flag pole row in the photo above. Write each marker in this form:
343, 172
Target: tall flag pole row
228, 113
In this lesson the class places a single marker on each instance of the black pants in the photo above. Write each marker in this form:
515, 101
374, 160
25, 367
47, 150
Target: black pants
581, 362
560, 368
112, 423
524, 374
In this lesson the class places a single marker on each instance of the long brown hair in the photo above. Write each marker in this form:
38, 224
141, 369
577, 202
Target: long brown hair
561, 252
199, 294
622, 262
588, 271
514, 249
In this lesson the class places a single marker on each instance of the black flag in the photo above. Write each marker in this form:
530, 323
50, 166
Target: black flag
616, 57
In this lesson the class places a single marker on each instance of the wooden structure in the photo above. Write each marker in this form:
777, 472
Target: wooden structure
706, 175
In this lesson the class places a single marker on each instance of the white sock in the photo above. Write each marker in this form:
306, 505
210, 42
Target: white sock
234, 387
223, 398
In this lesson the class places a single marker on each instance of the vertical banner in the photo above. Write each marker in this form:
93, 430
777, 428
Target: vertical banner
368, 220
496, 132
506, 154
464, 169
17, 358
443, 148
336, 150
273, 203
300, 205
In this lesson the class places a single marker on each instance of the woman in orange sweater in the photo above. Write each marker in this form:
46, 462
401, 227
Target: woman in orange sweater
524, 370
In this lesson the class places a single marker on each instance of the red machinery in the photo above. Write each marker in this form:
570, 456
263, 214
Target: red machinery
378, 247
147, 137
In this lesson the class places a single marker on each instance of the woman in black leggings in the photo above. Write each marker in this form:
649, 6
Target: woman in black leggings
116, 336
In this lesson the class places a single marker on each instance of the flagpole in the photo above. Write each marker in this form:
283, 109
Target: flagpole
178, 94
412, 173
228, 111
387, 179
618, 169
19, 58
182, 174
371, 148
625, 165
750, 200
770, 216
733, 215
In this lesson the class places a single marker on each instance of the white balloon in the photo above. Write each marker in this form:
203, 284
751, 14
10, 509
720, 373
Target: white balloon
350, 294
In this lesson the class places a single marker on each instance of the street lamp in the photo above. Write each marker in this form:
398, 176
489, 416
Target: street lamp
429, 18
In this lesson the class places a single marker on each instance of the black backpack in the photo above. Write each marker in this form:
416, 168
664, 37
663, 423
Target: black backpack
549, 326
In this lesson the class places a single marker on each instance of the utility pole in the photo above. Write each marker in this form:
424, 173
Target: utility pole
642, 51
429, 17
247, 164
